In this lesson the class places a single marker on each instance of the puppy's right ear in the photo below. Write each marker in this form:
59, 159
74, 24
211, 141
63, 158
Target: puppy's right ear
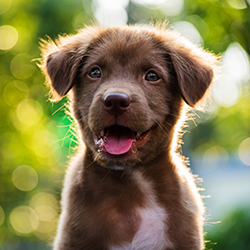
61, 60
60, 64
61, 68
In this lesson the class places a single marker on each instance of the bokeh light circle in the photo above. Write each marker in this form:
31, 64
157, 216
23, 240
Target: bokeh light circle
24, 219
172, 7
46, 207
14, 92
29, 112
21, 66
9, 37
25, 178
237, 4
43, 144
215, 155
5, 5
46, 213
150, 2
244, 151
43, 199
2, 216
24, 42
189, 31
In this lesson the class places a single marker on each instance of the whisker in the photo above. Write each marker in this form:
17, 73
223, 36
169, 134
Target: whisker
90, 164
163, 128
86, 127
105, 176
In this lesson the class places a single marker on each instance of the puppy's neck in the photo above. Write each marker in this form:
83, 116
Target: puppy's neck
161, 163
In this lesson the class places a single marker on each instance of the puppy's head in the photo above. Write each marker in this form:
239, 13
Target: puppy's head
129, 85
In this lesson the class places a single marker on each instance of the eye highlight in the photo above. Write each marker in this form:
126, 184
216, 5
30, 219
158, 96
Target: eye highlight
95, 73
151, 77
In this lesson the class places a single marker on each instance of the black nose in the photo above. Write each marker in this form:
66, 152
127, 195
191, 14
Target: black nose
116, 103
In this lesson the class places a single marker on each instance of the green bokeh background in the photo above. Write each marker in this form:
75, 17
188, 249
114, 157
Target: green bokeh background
37, 138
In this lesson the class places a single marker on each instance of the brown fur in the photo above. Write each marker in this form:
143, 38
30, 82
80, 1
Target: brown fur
105, 196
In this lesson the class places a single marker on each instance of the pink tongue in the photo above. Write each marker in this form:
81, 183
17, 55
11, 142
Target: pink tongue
118, 140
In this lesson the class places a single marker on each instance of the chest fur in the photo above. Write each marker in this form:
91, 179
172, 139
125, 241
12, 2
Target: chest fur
153, 230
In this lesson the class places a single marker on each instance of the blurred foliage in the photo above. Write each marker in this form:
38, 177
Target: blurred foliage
228, 129
37, 137
232, 232
217, 21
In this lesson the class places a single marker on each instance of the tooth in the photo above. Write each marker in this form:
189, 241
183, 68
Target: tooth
102, 133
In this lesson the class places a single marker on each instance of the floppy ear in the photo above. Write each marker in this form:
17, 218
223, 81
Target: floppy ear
195, 69
62, 59
62, 67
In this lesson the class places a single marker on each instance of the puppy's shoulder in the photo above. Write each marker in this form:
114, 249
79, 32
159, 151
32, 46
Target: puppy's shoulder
189, 191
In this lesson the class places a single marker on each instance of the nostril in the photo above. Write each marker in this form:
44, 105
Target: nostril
116, 103
124, 104
107, 103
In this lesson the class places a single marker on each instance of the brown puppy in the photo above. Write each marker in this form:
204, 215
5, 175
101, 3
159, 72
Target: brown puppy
127, 189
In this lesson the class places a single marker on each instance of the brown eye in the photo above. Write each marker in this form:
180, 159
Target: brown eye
95, 73
151, 77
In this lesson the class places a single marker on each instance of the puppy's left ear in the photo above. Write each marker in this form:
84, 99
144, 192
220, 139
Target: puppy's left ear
195, 69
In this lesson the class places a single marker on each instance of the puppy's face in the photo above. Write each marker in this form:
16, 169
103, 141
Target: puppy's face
128, 86
122, 98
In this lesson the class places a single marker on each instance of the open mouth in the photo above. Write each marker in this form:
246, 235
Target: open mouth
119, 140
